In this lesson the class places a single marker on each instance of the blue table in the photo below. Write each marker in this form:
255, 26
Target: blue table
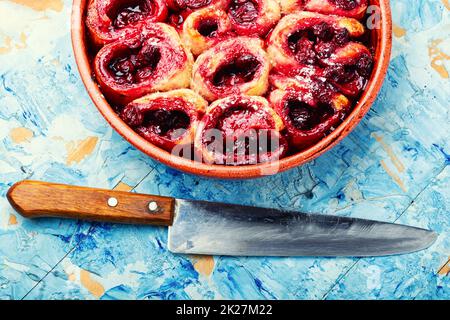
393, 167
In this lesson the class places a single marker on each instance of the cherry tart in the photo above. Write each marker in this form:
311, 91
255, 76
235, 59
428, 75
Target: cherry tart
111, 20
309, 43
253, 17
308, 117
238, 65
166, 119
347, 8
153, 60
205, 28
240, 130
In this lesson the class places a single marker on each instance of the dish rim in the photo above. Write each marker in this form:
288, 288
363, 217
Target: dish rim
368, 97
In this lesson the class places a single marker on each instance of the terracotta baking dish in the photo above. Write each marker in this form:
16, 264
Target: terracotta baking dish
381, 40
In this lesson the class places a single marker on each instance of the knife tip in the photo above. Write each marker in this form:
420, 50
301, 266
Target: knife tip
432, 237
427, 239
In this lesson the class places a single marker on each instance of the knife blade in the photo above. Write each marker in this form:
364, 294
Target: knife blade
224, 229
199, 227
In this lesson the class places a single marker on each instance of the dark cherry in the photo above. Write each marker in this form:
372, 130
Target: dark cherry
165, 123
323, 90
132, 116
133, 67
323, 31
306, 117
317, 42
348, 73
130, 12
192, 4
239, 70
301, 44
243, 11
340, 73
341, 36
208, 28
324, 49
365, 65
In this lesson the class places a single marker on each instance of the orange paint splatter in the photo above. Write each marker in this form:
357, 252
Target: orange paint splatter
123, 187
12, 220
445, 269
94, 287
204, 265
72, 277
56, 62
41, 5
395, 160
399, 32
77, 151
23, 41
7, 47
437, 58
21, 135
9, 44
394, 176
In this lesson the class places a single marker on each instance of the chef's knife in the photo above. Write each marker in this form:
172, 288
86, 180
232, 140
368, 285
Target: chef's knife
197, 227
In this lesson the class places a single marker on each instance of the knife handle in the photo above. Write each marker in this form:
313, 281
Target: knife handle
35, 199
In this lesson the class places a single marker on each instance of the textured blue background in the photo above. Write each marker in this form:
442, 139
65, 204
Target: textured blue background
393, 167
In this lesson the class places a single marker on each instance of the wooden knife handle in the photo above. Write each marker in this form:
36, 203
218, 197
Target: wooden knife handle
34, 199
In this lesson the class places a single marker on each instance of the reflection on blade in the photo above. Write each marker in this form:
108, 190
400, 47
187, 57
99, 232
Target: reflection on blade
224, 229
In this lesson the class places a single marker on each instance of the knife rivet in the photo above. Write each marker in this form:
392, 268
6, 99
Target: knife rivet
152, 206
113, 202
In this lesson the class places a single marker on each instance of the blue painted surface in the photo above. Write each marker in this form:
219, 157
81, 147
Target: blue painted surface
393, 167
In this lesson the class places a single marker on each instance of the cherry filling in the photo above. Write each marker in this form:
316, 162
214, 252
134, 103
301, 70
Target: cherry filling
134, 66
304, 117
177, 19
191, 4
208, 28
243, 11
247, 137
345, 4
353, 75
316, 42
253, 146
166, 123
240, 118
129, 12
238, 71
